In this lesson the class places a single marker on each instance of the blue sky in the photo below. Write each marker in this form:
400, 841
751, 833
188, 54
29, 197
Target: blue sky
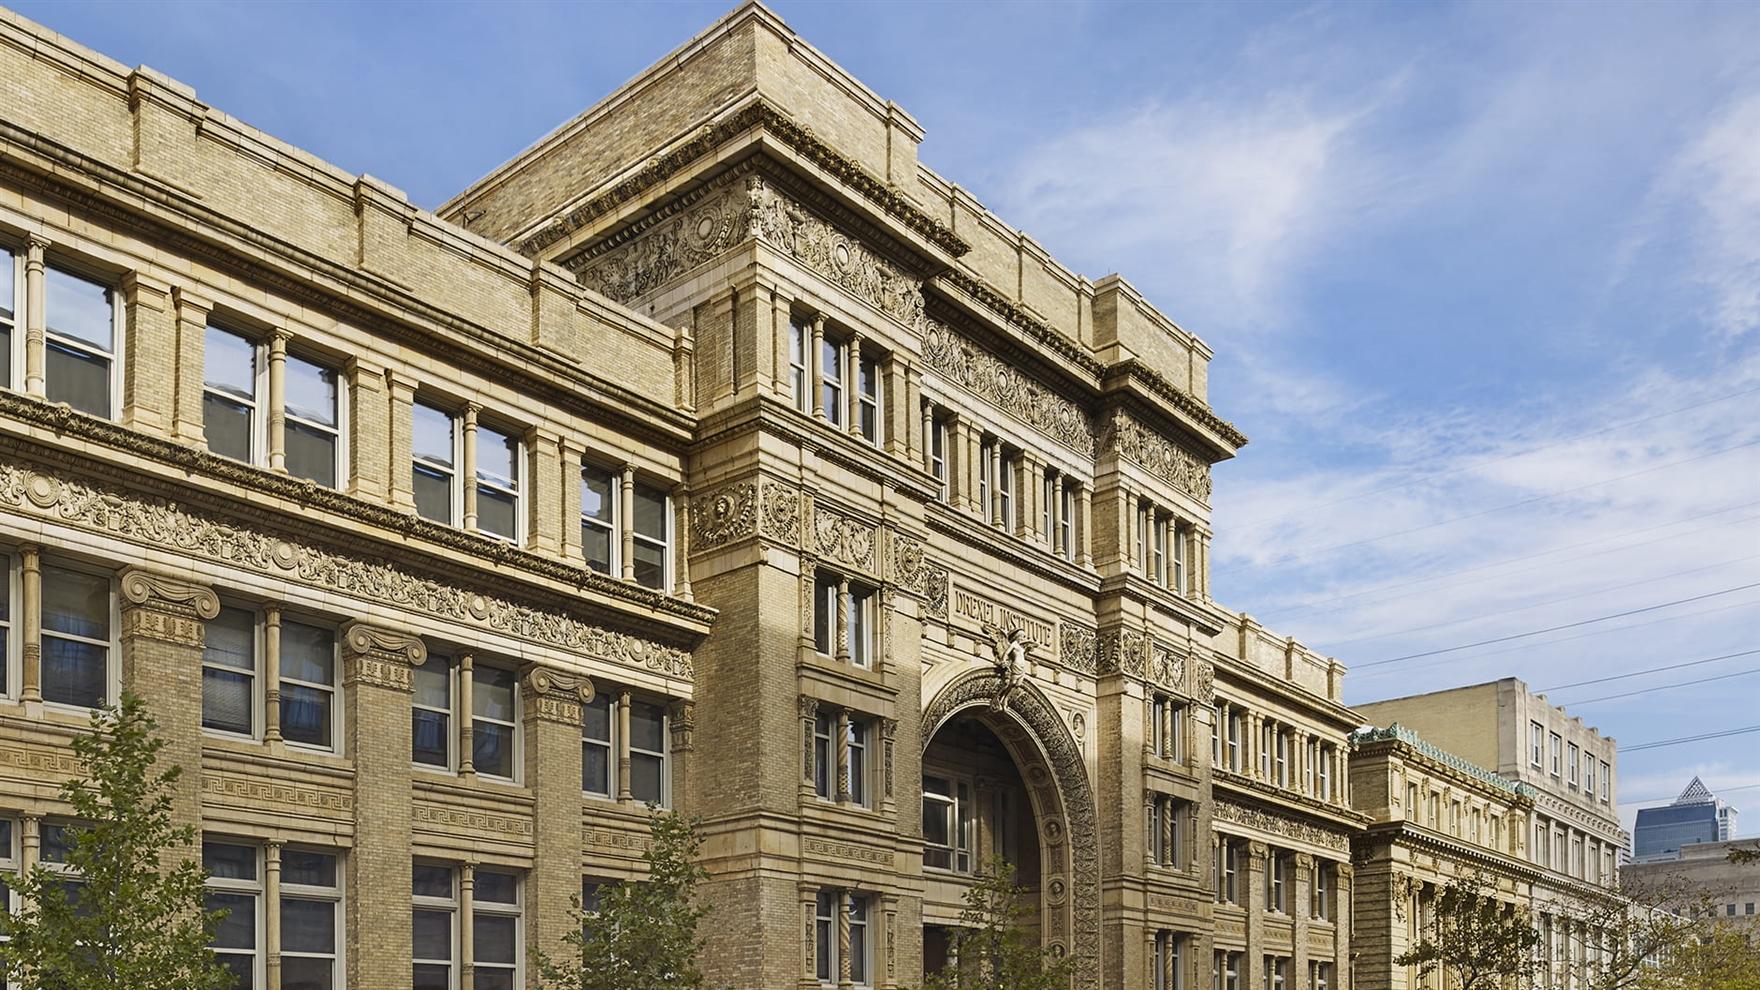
1483, 279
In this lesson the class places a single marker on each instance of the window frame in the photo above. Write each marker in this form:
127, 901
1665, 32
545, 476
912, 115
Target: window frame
118, 327
956, 808
453, 472
339, 431
858, 739
1537, 744
665, 541
514, 909
449, 713
453, 908
333, 689
664, 754
1005, 481
800, 337
833, 361
1066, 524
1556, 751
112, 645
516, 741
862, 632
256, 675
938, 443
512, 488
13, 326
335, 895
11, 657
259, 400
256, 890
609, 744
869, 402
1573, 760
612, 524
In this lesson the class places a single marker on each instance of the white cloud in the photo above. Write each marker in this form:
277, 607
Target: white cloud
1718, 178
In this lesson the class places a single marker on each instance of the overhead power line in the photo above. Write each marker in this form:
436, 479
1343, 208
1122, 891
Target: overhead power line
1659, 744
1567, 625
1661, 687
1671, 797
1649, 670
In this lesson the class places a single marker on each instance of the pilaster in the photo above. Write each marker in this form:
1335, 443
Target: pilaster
149, 380
162, 635
1252, 966
192, 335
369, 416
551, 714
400, 484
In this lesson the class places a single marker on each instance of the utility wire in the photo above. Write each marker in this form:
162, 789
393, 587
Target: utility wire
1661, 687
1659, 744
1267, 520
1672, 797
1567, 625
1650, 670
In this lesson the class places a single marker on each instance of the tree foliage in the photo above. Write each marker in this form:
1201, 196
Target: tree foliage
642, 935
993, 948
1624, 936
1475, 940
133, 918
1724, 957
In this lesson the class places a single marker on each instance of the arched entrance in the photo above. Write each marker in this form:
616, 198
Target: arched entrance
1031, 753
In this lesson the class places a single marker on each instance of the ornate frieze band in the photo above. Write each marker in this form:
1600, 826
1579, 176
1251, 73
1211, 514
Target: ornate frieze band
962, 362
1240, 814
724, 516
1170, 462
166, 525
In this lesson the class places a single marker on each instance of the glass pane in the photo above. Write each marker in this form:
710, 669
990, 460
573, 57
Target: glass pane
311, 454
242, 967
227, 426
308, 653
650, 565
492, 748
831, 359
497, 513
305, 714
231, 639
431, 434
428, 737
431, 934
935, 823
650, 505
433, 682
495, 942
598, 493
596, 769
5, 348
226, 861
433, 493
75, 673
310, 391
428, 880
497, 457
8, 266
596, 719
78, 308
76, 603
310, 869
497, 888
647, 727
432, 978
645, 779
57, 840
308, 926
229, 363
78, 379
492, 693
226, 701
307, 974
238, 930
596, 545
492, 979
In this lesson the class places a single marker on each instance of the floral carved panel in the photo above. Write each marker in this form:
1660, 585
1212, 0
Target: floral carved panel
962, 362
1170, 462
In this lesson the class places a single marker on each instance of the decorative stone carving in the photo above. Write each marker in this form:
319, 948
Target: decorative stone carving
722, 517
961, 361
1078, 647
446, 819
380, 657
1204, 681
554, 696
694, 232
842, 538
781, 512
846, 851
913, 571
1123, 651
1011, 657
935, 582
236, 790
1240, 814
1167, 669
143, 587
1167, 460
682, 718
165, 524
790, 227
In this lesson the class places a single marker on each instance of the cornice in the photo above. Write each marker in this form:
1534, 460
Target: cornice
760, 113
1255, 680
1402, 833
1185, 402
977, 291
1407, 744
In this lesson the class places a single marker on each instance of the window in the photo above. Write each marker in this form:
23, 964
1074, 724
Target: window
831, 380
435, 453
1158, 728
1180, 580
1048, 506
1235, 728
1432, 809
1276, 971
229, 672
824, 758
600, 542
947, 824
652, 537
1320, 891
859, 620
1066, 522
1557, 752
1454, 818
1229, 968
1166, 843
1322, 975
494, 706
647, 753
1005, 488
986, 468
857, 743
308, 684
1283, 740
861, 625
11, 288
235, 886
827, 956
1327, 755
598, 746
1571, 761
82, 322
798, 335
311, 916
1169, 966
431, 713
1589, 776
1277, 885
858, 941
313, 434
495, 931
433, 927
76, 617
1412, 801
1158, 550
1216, 739
825, 598
1143, 527
1536, 743
6, 607
1267, 747
498, 484
938, 454
232, 373
1228, 871
868, 398
1606, 782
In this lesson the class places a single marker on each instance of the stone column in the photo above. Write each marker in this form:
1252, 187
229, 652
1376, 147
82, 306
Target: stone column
809, 915
272, 915
272, 676
551, 715
162, 635
35, 381
467, 936
467, 768
624, 793
468, 470
278, 400
816, 367
852, 376
681, 541
626, 521
31, 604
840, 649
840, 745
191, 336
369, 427
543, 506
681, 719
844, 982
886, 961
1253, 902
149, 353
400, 483
376, 685
572, 455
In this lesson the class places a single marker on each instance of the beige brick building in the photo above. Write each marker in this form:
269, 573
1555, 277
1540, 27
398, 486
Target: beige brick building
713, 453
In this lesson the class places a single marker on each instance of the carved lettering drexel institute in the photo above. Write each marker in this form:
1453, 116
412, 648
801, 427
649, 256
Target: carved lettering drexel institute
961, 361
981, 613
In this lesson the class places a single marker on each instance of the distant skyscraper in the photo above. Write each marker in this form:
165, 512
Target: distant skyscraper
1696, 816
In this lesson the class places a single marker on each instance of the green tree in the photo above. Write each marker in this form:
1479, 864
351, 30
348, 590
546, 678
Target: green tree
1475, 940
1725, 957
993, 948
127, 911
642, 935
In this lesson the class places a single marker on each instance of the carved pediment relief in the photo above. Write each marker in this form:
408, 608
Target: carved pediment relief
1163, 458
963, 362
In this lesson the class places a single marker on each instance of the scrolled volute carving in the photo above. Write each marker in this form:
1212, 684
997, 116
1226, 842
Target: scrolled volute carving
149, 588
541, 680
364, 639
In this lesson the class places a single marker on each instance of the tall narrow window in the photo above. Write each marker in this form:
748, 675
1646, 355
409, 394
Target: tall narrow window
1180, 578
1158, 551
825, 940
1048, 505
1320, 893
598, 745
80, 346
857, 743
311, 915
1327, 755
229, 672
7, 584
825, 594
1606, 782
308, 684
1277, 887
1557, 752
1589, 776
1066, 521
1536, 743
861, 625
647, 753
600, 542
868, 397
495, 931
431, 713
11, 289
434, 456
1573, 755
231, 394
76, 637
798, 335
493, 710
831, 381
938, 454
1005, 489
1158, 706
314, 422
858, 941
235, 886
824, 758
498, 483
1158, 807
947, 824
986, 469
433, 927
652, 537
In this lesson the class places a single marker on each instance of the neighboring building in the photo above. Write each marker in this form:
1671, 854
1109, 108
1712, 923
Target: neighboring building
1435, 817
712, 453
1575, 837
1702, 879
1696, 816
